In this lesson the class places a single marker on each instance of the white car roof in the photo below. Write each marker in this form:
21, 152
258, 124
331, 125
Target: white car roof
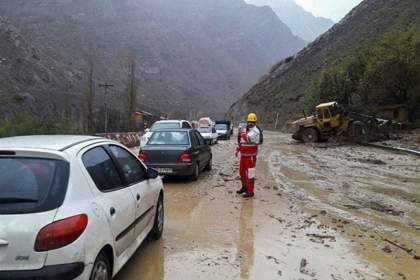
51, 142
169, 121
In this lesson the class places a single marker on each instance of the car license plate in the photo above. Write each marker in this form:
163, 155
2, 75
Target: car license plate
164, 170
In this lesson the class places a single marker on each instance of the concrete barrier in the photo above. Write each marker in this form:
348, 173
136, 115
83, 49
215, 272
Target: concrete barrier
129, 139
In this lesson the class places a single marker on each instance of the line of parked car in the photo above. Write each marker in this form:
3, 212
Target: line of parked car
78, 207
174, 147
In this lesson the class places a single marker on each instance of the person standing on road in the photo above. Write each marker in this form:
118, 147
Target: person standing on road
249, 139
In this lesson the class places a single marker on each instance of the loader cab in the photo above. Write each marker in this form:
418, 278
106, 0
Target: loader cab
328, 115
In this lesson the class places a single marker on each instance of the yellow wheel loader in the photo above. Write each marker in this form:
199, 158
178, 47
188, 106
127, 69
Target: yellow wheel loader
330, 121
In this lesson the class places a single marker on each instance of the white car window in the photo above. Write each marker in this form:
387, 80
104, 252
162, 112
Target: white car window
166, 125
131, 167
186, 125
204, 129
102, 170
30, 185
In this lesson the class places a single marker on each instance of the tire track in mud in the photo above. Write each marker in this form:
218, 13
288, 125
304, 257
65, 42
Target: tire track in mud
212, 233
375, 195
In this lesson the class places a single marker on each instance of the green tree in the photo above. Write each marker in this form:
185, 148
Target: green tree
335, 85
392, 71
386, 72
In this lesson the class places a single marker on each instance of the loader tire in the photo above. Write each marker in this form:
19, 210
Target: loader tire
358, 132
310, 135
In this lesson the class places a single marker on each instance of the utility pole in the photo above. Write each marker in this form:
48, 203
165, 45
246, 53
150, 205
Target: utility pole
277, 120
106, 86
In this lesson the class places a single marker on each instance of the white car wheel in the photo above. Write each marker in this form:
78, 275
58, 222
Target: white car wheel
157, 229
101, 268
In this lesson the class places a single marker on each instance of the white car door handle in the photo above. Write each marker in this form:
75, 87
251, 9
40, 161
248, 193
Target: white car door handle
112, 211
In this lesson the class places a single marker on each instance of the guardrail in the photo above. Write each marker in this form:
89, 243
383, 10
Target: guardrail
129, 139
394, 149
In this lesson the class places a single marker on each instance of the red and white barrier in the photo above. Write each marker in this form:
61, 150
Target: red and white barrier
129, 139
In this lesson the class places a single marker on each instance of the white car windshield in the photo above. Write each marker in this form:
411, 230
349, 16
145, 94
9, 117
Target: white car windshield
221, 127
204, 129
166, 125
27, 184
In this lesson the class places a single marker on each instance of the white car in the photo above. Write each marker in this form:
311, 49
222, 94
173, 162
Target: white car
209, 134
73, 207
165, 124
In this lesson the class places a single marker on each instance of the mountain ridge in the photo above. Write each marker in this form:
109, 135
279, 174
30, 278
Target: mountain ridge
29, 77
302, 23
286, 88
190, 54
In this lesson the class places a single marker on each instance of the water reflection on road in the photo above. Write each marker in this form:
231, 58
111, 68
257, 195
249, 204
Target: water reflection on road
202, 239
245, 239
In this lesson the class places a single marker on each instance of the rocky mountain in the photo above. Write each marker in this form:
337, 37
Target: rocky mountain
302, 23
189, 53
29, 78
286, 89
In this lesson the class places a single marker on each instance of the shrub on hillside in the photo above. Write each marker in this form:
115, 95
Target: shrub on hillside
387, 72
31, 125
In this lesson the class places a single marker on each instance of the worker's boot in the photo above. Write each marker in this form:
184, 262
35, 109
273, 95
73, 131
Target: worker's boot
248, 194
241, 191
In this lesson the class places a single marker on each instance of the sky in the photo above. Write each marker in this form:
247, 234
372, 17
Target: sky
333, 9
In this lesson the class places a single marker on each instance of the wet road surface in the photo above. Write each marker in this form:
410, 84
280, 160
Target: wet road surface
336, 212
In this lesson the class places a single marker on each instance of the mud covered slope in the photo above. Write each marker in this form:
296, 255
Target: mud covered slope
286, 86
28, 78
189, 53
302, 23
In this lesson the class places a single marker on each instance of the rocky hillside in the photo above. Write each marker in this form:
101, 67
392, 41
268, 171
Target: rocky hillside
286, 88
28, 78
302, 23
190, 54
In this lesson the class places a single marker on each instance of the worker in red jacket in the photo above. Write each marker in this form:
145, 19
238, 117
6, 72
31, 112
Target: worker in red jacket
249, 139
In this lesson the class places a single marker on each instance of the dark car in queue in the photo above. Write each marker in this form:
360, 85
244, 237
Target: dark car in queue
178, 152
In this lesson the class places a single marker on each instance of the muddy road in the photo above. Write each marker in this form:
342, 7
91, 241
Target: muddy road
320, 212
